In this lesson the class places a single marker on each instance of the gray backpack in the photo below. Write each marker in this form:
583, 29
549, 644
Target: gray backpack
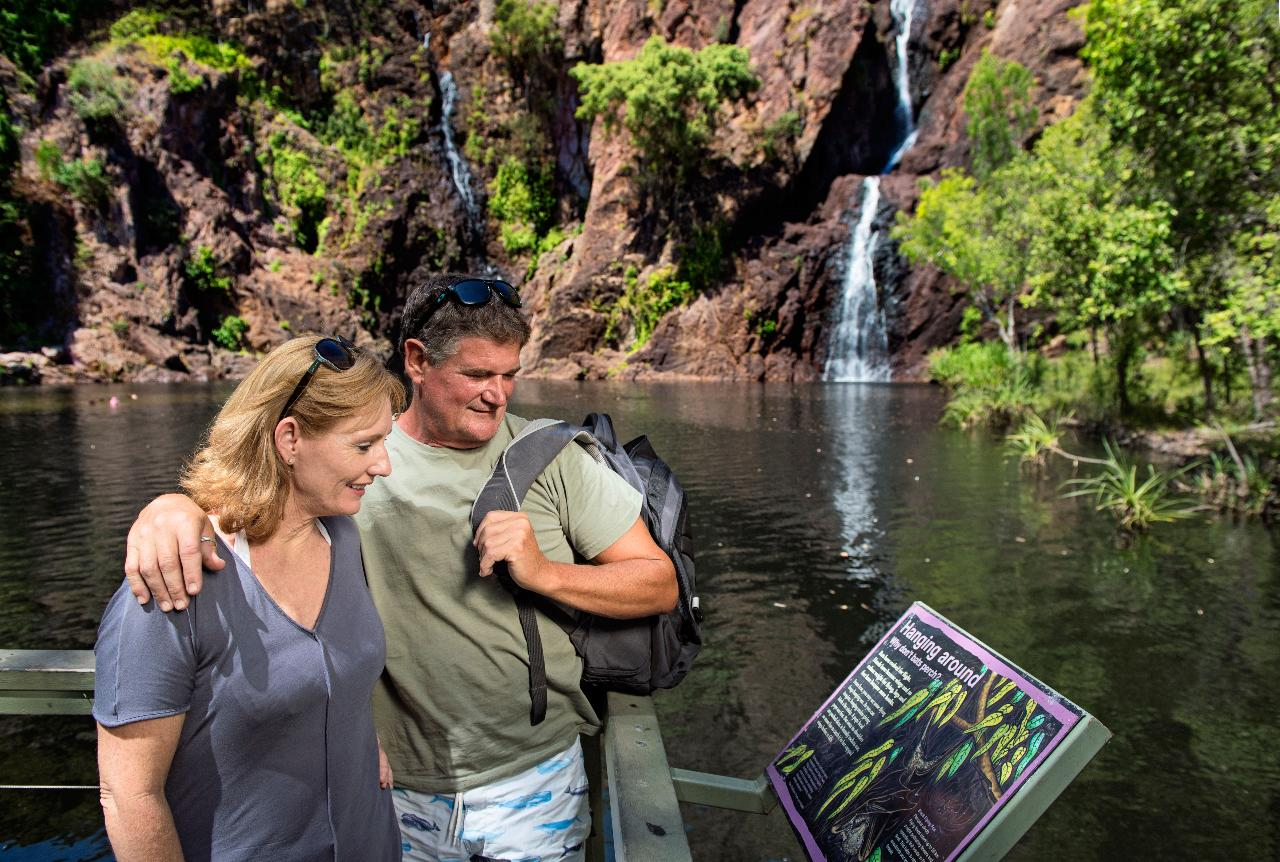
632, 656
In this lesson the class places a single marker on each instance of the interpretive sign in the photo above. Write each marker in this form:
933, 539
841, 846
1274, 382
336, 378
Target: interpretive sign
934, 748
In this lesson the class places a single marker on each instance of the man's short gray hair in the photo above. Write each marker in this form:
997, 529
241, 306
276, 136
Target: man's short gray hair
451, 322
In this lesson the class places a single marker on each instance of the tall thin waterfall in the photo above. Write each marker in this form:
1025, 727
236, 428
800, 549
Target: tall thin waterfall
859, 345
458, 167
858, 350
903, 115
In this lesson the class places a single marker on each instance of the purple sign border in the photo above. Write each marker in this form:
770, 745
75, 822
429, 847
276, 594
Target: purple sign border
1053, 704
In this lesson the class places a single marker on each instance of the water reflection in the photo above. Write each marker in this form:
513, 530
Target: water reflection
819, 512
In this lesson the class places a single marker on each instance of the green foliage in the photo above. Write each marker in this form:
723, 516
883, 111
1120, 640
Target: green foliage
990, 385
230, 332
977, 234
525, 34
947, 57
1238, 483
701, 260
297, 186
120, 326
180, 82
30, 28
780, 136
202, 272
137, 23
1192, 85
1136, 503
1035, 439
645, 302
668, 99
85, 179
94, 90
997, 100
524, 204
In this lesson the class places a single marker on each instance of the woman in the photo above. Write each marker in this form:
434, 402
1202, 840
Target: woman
241, 727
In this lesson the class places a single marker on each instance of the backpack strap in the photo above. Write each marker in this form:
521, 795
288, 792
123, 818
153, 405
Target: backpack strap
518, 467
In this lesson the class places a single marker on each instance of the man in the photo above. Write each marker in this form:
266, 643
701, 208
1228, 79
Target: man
474, 776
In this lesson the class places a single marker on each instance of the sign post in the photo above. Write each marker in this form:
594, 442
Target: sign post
934, 748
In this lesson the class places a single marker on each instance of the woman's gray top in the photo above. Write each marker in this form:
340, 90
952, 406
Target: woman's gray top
278, 758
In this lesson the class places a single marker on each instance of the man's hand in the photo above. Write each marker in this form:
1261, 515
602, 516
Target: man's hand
166, 552
508, 536
385, 778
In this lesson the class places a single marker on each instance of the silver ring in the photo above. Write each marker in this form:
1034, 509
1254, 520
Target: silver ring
206, 538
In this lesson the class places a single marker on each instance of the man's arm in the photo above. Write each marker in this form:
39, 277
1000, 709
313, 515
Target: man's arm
630, 578
133, 763
165, 554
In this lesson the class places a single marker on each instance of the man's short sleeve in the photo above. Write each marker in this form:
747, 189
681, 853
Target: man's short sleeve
597, 506
144, 662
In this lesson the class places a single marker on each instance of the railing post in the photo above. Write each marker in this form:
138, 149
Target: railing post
647, 826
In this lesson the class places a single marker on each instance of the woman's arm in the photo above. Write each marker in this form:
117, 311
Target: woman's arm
133, 763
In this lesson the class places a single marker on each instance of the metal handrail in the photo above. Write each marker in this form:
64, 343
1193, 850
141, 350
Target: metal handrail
644, 792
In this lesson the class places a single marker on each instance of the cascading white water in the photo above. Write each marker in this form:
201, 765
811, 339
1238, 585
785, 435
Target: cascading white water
903, 115
859, 345
458, 167
858, 350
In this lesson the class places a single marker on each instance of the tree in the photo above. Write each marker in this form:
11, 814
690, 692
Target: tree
1249, 316
975, 234
668, 98
997, 101
1190, 86
1100, 254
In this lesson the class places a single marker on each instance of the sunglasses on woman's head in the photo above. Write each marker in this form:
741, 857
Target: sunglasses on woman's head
473, 292
335, 353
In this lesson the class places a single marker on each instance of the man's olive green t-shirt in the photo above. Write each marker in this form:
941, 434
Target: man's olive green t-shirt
452, 707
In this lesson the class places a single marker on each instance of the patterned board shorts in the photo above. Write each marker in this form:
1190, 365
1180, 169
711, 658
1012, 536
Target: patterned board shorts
539, 815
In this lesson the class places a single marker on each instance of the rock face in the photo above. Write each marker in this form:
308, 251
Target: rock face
305, 179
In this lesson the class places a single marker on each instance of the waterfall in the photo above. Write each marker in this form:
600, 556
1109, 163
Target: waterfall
903, 116
858, 350
457, 164
859, 345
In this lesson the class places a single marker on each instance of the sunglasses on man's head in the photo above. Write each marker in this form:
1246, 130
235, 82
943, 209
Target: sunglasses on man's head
473, 292
337, 354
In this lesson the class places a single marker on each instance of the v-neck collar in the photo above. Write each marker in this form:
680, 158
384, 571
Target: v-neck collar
328, 589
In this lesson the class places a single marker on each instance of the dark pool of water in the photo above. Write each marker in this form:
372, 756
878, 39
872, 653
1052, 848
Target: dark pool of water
820, 513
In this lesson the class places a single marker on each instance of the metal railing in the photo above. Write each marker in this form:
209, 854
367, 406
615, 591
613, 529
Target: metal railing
644, 792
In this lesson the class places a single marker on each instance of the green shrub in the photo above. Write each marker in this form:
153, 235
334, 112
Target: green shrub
524, 204
230, 332
136, 24
298, 188
94, 90
29, 30
646, 302
48, 159
780, 135
525, 34
86, 180
180, 81
997, 100
202, 272
667, 97
1135, 504
702, 258
989, 384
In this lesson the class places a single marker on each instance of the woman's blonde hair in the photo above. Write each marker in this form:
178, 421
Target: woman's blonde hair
238, 474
